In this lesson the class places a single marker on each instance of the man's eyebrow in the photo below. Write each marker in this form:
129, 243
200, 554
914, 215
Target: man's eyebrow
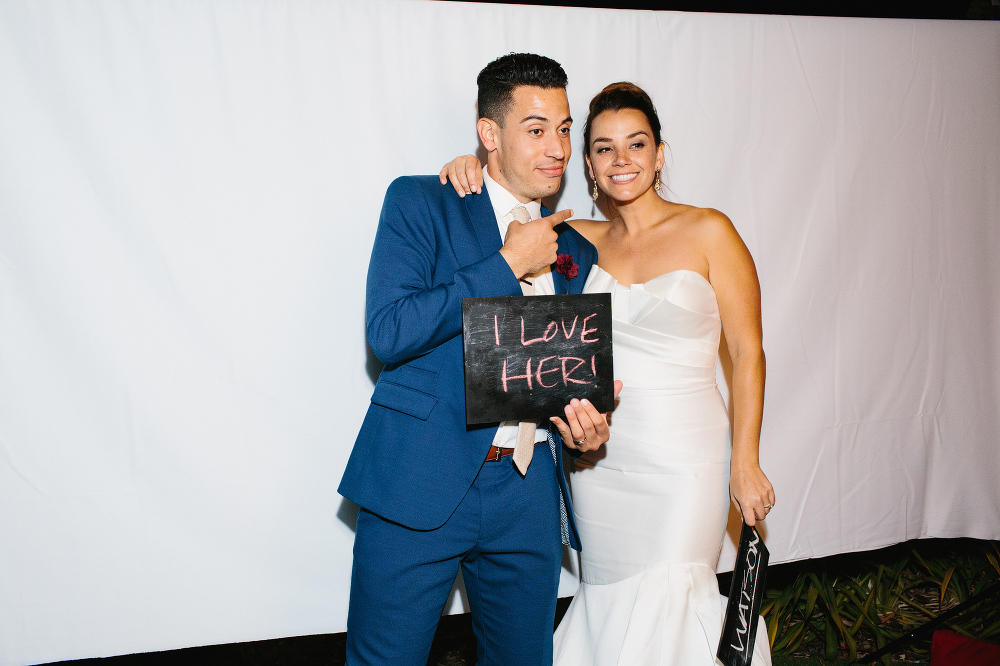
569, 119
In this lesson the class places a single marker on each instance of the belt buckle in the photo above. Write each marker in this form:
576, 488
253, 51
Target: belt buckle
494, 454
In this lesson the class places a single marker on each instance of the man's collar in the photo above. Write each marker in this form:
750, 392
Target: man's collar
503, 201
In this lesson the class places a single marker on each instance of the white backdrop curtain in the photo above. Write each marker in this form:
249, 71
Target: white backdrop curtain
188, 197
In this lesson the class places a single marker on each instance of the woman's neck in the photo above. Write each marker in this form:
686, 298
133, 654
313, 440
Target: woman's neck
640, 214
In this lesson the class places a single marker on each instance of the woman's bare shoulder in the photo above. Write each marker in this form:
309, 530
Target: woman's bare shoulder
699, 216
590, 229
709, 223
722, 243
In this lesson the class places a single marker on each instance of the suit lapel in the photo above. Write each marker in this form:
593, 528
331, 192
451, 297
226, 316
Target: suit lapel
484, 221
559, 283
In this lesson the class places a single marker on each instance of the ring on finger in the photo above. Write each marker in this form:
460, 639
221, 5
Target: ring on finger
579, 442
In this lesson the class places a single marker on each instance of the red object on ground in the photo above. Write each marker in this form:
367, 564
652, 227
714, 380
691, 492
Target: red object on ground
951, 649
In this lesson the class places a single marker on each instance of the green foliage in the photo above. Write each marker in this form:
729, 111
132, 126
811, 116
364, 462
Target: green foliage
854, 604
787, 660
982, 10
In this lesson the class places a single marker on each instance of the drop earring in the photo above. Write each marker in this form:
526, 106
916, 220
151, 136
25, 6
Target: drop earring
594, 195
656, 183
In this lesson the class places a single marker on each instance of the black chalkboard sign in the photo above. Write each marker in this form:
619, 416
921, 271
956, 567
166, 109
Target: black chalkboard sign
526, 357
746, 592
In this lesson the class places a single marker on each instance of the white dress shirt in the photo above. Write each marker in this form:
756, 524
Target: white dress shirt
503, 204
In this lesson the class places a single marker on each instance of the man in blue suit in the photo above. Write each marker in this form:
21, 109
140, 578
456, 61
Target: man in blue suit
435, 493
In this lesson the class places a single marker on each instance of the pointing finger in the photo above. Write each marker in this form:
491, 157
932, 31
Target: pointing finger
558, 217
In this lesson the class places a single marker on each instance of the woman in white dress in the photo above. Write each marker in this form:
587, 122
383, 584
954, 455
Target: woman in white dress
652, 504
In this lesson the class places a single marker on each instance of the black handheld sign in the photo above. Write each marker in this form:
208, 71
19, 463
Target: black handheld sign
746, 593
526, 357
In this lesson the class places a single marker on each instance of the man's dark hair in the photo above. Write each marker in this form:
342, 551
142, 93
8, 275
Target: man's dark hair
499, 78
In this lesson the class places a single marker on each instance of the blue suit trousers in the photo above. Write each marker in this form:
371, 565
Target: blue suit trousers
504, 536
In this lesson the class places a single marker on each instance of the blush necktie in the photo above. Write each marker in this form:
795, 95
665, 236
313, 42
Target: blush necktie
525, 445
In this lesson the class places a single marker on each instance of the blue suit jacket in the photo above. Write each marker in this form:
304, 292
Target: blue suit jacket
415, 458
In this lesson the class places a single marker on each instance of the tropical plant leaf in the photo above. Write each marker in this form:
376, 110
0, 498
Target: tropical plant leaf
944, 582
850, 604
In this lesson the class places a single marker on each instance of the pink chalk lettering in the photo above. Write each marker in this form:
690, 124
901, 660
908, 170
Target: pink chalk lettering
526, 376
539, 372
572, 328
584, 331
545, 336
566, 375
550, 332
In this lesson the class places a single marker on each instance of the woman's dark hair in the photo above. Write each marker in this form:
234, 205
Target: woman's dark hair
498, 80
618, 96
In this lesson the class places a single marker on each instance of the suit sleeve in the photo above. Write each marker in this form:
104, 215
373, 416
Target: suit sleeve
407, 314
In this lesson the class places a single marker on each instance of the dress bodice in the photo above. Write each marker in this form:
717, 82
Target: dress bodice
666, 330
653, 506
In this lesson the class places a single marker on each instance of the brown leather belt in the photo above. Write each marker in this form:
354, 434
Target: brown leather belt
496, 452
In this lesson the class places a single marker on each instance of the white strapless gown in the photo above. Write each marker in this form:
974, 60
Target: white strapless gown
652, 513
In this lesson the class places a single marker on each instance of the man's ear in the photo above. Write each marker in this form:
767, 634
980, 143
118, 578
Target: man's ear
488, 134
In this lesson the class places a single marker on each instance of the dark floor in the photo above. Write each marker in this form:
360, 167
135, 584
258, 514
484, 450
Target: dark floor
454, 645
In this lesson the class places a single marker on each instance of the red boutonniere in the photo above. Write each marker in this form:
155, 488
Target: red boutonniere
565, 265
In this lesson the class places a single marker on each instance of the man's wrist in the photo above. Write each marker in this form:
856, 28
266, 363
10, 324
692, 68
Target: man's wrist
512, 264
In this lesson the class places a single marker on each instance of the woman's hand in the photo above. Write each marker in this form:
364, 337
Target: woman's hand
751, 492
465, 174
589, 459
585, 429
